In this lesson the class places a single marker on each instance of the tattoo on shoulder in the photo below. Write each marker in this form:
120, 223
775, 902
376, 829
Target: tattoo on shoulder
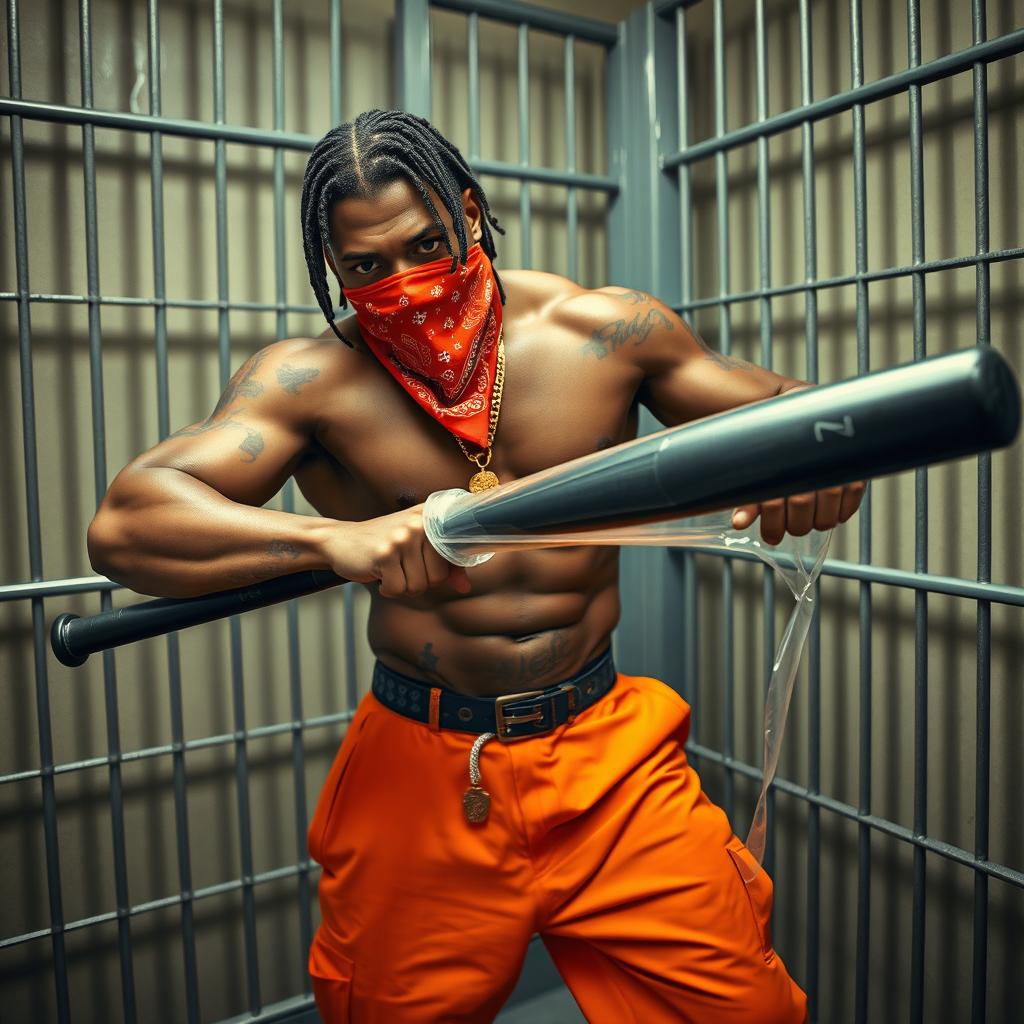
243, 384
291, 378
718, 358
251, 446
613, 335
632, 296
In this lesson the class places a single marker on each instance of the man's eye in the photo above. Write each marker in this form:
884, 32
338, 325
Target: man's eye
434, 242
365, 263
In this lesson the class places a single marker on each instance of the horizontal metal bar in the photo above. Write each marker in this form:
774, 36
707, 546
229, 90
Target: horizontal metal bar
886, 273
62, 114
952, 586
663, 8
256, 732
547, 175
936, 846
294, 1010
131, 300
941, 67
514, 11
55, 588
221, 888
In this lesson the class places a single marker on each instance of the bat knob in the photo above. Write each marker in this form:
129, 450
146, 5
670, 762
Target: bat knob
60, 641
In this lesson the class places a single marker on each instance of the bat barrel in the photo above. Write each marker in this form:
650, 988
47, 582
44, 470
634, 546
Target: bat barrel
940, 408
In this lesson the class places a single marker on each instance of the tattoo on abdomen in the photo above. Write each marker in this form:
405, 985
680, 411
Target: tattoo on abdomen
527, 669
291, 378
614, 335
427, 659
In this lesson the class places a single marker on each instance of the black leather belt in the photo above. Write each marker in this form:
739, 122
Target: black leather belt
512, 716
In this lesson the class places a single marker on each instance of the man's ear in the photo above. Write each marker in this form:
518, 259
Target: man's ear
473, 214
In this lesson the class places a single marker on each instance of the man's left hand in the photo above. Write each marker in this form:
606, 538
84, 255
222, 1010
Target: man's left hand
800, 513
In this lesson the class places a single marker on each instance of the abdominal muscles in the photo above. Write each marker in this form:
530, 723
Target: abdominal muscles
532, 618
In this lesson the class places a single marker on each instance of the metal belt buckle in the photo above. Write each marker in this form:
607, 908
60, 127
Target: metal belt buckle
504, 722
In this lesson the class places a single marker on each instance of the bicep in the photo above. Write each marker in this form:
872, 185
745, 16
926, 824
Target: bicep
248, 446
686, 379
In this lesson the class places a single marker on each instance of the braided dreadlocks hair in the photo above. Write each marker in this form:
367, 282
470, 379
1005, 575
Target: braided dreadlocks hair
358, 158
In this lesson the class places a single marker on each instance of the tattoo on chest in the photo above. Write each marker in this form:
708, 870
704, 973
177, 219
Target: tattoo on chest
613, 335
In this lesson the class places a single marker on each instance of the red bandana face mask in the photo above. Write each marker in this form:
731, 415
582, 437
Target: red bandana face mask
436, 333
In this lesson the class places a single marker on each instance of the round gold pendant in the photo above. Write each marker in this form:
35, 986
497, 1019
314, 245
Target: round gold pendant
482, 481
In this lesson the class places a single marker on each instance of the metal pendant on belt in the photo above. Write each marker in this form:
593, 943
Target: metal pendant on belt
476, 801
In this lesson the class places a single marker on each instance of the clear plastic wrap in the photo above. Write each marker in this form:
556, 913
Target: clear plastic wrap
797, 560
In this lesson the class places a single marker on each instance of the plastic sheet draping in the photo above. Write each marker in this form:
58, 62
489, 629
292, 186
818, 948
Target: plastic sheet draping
796, 560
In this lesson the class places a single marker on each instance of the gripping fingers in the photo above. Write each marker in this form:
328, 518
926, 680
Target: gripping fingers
773, 520
852, 496
826, 515
800, 513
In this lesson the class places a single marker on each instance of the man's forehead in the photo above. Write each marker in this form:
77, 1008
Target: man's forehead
397, 209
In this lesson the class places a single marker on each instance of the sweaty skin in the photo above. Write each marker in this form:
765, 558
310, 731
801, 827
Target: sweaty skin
184, 518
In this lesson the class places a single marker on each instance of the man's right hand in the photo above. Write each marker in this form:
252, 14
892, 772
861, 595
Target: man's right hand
393, 549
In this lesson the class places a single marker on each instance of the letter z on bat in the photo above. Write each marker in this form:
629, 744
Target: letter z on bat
844, 429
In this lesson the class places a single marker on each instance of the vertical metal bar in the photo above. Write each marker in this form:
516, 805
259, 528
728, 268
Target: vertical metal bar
35, 548
100, 483
524, 141
572, 209
288, 504
814, 680
765, 276
412, 56
335, 43
235, 631
864, 784
188, 939
920, 534
473, 54
984, 617
725, 345
691, 635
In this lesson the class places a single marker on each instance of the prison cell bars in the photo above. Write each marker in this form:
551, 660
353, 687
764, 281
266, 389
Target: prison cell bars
220, 132
976, 57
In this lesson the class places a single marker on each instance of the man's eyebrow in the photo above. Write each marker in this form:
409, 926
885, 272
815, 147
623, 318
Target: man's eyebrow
418, 237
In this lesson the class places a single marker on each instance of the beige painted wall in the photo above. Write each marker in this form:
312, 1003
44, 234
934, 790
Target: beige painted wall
64, 425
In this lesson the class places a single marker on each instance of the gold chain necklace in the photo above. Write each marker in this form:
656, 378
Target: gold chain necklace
485, 479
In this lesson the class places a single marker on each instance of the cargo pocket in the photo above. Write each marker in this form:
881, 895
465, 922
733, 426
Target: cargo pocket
759, 890
331, 972
325, 805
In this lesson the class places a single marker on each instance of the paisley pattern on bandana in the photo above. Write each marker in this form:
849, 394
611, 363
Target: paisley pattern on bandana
436, 333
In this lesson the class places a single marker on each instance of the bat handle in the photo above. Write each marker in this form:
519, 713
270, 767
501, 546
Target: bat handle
62, 642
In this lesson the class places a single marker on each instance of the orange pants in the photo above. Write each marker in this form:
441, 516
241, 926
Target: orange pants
599, 837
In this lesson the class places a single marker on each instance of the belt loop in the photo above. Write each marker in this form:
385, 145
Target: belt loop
435, 708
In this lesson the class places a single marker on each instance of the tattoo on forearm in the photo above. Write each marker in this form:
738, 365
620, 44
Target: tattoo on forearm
267, 568
291, 378
614, 335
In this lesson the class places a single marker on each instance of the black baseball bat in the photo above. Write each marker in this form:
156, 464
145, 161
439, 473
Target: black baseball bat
940, 408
